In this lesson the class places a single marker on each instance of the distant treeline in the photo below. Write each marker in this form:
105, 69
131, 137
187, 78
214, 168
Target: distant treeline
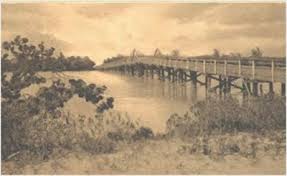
175, 54
72, 63
68, 63
44, 59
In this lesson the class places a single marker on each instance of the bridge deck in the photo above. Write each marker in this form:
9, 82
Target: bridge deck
271, 69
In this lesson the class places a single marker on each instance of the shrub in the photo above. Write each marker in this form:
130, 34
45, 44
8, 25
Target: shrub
143, 133
216, 116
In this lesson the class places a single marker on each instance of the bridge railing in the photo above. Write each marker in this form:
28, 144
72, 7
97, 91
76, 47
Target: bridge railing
269, 69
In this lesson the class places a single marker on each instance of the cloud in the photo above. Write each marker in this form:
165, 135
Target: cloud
246, 13
186, 12
104, 30
101, 10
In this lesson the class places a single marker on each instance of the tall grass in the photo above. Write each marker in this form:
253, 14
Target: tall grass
220, 116
42, 134
218, 127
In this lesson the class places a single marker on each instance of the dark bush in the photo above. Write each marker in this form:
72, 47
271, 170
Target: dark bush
143, 133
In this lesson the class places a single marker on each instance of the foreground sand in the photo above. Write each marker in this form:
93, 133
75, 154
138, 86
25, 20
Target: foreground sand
148, 157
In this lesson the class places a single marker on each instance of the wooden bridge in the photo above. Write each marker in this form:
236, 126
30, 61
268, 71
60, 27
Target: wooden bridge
254, 71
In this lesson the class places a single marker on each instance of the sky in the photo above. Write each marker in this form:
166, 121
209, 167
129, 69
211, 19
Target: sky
102, 30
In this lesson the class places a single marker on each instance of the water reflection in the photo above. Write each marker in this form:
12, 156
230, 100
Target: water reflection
150, 100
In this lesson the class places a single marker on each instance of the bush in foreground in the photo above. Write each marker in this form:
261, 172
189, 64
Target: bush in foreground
216, 116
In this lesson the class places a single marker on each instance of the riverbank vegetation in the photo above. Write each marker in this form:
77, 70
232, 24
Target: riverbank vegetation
45, 57
28, 122
215, 136
38, 137
220, 127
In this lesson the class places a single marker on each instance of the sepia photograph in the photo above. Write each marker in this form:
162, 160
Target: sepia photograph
143, 88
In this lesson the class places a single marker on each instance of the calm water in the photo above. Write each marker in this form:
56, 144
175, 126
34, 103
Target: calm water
150, 100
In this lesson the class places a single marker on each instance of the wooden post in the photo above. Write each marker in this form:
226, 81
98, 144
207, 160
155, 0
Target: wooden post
261, 89
181, 75
239, 67
173, 75
244, 91
169, 73
207, 85
271, 89
184, 76
255, 88
133, 70
224, 86
204, 66
193, 85
162, 73
253, 69
225, 67
220, 86
228, 85
283, 89
159, 73
272, 70
215, 67
248, 87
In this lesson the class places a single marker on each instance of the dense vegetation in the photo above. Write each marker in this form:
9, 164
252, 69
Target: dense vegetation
219, 127
220, 116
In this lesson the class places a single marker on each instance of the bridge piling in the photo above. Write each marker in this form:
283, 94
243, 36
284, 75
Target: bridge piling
224, 82
255, 88
220, 82
193, 76
228, 85
283, 89
244, 90
271, 89
248, 87
169, 74
152, 72
163, 74
207, 84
